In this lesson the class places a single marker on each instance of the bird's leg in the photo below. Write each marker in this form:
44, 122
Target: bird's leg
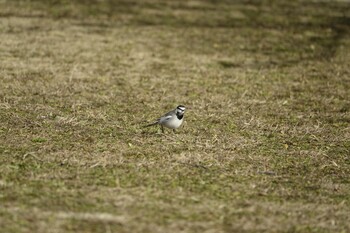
174, 131
162, 128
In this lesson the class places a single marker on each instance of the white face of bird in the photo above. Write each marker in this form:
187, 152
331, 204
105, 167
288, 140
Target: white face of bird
180, 109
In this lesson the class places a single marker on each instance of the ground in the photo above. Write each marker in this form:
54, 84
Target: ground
265, 144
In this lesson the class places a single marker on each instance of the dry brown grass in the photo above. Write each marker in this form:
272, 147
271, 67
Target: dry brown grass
265, 145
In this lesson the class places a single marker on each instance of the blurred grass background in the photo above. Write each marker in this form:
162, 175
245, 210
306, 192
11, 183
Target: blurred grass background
265, 144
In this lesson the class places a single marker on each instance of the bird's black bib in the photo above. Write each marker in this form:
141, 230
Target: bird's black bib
180, 116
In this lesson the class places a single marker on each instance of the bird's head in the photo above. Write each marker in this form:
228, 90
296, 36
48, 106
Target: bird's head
180, 110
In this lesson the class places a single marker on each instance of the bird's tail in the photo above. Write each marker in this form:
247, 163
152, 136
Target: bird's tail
154, 123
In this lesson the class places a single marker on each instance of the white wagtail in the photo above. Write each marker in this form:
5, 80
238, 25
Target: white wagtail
172, 119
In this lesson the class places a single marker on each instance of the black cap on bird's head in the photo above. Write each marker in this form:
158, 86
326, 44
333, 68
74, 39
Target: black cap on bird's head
181, 108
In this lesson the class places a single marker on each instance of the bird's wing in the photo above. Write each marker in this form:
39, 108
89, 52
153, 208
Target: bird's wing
165, 118
162, 119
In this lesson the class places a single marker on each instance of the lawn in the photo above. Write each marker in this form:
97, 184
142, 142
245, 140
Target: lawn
265, 146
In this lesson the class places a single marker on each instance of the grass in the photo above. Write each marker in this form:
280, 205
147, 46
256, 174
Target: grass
265, 144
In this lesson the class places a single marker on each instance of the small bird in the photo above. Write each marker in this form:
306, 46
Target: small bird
172, 119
